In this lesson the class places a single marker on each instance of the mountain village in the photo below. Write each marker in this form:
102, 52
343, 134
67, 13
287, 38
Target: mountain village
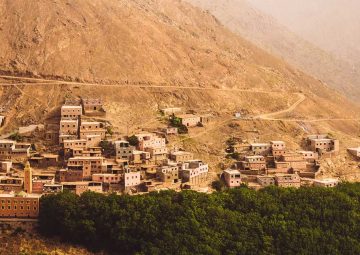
86, 156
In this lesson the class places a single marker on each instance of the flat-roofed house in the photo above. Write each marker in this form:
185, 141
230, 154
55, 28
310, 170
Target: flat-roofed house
80, 187
253, 163
88, 165
326, 183
11, 184
45, 160
92, 128
107, 178
168, 174
232, 178
52, 189
20, 205
189, 120
158, 155
13, 151
266, 181
194, 171
71, 112
262, 149
181, 156
131, 179
287, 180
93, 106
295, 160
309, 156
70, 145
149, 140
170, 131
69, 127
123, 150
322, 144
278, 148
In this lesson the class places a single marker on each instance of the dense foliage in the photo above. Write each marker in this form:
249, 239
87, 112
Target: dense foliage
108, 148
176, 122
133, 140
238, 221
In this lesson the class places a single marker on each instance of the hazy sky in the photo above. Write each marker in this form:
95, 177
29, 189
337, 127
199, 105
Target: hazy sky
333, 25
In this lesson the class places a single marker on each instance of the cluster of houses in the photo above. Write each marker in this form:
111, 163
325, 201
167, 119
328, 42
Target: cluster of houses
264, 164
88, 158
141, 163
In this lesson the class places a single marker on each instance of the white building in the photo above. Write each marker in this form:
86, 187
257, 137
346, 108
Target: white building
194, 171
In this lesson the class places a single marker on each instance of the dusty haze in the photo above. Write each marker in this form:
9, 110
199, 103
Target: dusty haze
333, 25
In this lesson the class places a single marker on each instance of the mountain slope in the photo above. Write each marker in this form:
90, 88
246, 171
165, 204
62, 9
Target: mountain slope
148, 43
124, 41
242, 18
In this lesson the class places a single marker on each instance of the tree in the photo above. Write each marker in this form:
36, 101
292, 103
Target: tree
218, 185
309, 220
16, 137
133, 140
107, 148
109, 130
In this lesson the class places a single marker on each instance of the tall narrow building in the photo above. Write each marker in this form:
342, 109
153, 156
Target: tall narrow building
28, 178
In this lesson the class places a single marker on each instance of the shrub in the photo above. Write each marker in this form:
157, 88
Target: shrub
133, 140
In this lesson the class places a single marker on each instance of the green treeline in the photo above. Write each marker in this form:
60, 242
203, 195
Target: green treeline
238, 221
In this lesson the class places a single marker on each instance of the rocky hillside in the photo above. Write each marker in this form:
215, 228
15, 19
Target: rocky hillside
255, 25
144, 43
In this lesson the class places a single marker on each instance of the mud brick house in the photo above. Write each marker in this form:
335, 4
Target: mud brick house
326, 183
287, 180
158, 155
5, 166
11, 184
189, 120
322, 144
87, 165
131, 179
194, 172
262, 149
80, 187
232, 178
168, 174
13, 151
69, 127
92, 129
123, 150
107, 178
295, 160
149, 140
20, 205
71, 112
309, 156
170, 131
265, 181
181, 156
93, 106
253, 163
278, 148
